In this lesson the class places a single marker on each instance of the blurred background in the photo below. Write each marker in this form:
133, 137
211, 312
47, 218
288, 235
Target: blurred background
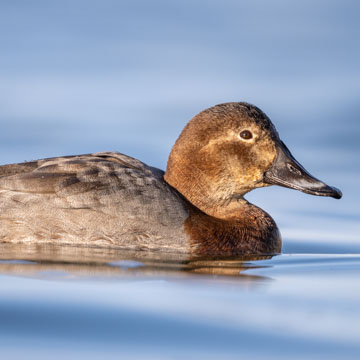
80, 76
86, 76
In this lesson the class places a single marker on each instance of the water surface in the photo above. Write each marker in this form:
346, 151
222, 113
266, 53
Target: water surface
60, 301
99, 75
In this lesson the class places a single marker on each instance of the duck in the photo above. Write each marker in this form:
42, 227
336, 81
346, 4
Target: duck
196, 207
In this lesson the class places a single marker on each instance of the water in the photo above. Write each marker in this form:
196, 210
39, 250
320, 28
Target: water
92, 303
88, 76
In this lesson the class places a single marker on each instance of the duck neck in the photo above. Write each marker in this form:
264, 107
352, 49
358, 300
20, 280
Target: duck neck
220, 222
214, 198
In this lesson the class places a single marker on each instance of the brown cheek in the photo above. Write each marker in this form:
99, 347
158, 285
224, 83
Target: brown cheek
265, 153
210, 162
234, 160
247, 169
254, 161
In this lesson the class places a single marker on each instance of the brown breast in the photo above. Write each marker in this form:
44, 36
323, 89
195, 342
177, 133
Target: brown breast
254, 232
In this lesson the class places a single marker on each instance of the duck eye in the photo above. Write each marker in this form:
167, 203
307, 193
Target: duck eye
246, 135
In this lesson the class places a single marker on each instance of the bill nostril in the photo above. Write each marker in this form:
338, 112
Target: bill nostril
293, 169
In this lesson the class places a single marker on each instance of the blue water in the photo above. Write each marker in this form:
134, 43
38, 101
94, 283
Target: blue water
88, 76
291, 306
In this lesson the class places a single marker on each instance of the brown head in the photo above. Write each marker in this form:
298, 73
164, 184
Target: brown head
228, 150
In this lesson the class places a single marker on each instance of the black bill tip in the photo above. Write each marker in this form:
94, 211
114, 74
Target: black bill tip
337, 193
331, 191
320, 189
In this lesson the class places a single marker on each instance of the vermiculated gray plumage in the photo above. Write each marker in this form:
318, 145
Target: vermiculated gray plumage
95, 199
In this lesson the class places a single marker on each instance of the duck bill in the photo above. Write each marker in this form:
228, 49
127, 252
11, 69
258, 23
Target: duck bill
287, 172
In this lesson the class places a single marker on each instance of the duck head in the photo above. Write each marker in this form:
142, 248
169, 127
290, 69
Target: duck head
228, 150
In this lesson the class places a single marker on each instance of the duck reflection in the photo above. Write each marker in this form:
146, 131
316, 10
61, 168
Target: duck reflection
69, 262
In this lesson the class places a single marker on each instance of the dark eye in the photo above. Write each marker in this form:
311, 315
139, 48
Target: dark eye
246, 135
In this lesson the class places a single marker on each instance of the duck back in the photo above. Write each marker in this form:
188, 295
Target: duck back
106, 199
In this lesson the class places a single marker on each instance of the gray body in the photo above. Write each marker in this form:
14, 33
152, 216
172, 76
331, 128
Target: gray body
105, 199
